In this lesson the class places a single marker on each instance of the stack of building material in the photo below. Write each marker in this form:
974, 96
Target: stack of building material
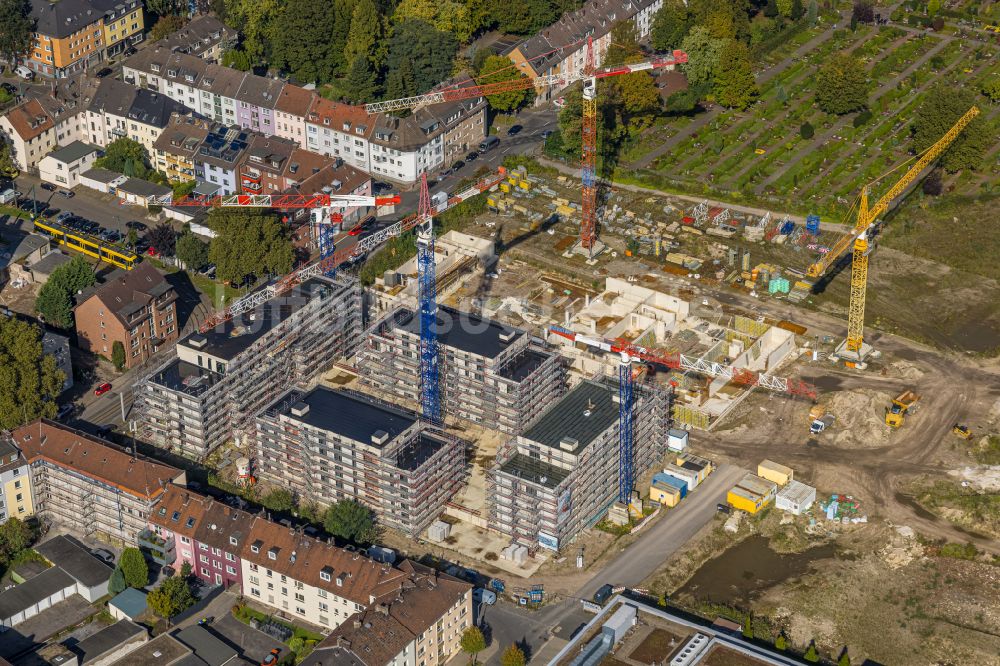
438, 531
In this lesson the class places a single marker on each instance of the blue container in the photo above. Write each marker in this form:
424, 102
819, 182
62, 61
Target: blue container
787, 228
812, 224
670, 480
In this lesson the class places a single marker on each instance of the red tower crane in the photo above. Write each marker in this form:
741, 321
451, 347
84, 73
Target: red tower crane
588, 152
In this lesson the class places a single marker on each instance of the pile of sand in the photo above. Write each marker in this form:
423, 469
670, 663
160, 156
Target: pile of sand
860, 418
983, 477
905, 370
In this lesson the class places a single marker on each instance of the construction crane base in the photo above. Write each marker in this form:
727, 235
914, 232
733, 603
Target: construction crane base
590, 253
858, 358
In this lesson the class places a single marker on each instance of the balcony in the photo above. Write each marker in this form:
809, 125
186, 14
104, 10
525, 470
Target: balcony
160, 550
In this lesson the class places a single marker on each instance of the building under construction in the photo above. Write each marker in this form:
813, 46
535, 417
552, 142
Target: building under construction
210, 391
561, 475
328, 445
493, 375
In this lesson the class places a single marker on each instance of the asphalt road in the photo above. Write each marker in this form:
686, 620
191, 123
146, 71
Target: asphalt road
509, 624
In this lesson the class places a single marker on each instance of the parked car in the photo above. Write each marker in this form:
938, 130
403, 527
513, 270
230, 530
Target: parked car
514, 129
546, 134
135, 224
104, 555
356, 231
9, 88
152, 252
101, 73
457, 165
483, 596
130, 51
102, 389
69, 194
489, 143
48, 187
474, 155
723, 508
271, 658
64, 217
65, 410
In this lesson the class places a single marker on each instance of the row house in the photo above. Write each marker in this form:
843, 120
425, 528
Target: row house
89, 486
267, 159
44, 122
340, 130
561, 48
175, 150
118, 110
220, 158
204, 36
71, 36
299, 576
255, 102
290, 114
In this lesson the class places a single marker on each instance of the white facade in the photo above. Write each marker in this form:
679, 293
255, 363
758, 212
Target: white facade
354, 149
796, 497
28, 152
101, 186
63, 173
298, 599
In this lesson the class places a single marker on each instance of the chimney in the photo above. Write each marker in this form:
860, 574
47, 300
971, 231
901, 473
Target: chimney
383, 609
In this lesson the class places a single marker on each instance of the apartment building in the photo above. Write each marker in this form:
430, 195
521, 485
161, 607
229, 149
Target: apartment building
73, 35
63, 166
210, 391
175, 149
561, 48
189, 528
221, 156
255, 102
290, 114
15, 483
404, 148
266, 161
32, 133
302, 175
204, 36
465, 127
118, 110
327, 445
423, 625
491, 374
561, 474
88, 486
137, 308
340, 130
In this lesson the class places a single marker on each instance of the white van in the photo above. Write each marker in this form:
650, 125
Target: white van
9, 196
24, 73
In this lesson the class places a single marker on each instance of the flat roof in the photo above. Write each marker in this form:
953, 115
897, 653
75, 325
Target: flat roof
130, 601
521, 367
102, 175
755, 484
240, 332
75, 559
775, 467
22, 597
353, 416
169, 648
206, 646
186, 377
107, 639
582, 414
534, 470
418, 451
73, 152
665, 479
465, 331
797, 492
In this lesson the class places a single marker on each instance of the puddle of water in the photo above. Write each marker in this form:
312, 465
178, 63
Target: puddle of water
911, 502
746, 570
826, 382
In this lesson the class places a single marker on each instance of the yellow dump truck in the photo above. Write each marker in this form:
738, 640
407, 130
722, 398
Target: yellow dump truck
901, 405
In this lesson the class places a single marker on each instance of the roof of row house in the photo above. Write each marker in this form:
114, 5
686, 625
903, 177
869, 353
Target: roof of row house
310, 560
183, 135
304, 165
295, 100
191, 70
198, 36
152, 108
224, 146
378, 634
112, 96
341, 117
46, 440
125, 292
564, 37
29, 119
65, 17
341, 178
270, 153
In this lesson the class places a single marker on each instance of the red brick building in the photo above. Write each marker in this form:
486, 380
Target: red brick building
137, 308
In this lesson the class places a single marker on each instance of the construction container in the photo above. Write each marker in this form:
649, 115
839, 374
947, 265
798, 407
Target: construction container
691, 477
776, 472
796, 497
751, 494
702, 466
812, 224
669, 484
438, 531
677, 440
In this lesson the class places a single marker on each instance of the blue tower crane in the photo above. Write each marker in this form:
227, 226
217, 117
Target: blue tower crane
626, 396
430, 387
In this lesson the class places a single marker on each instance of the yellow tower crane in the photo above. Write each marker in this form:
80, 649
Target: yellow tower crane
854, 348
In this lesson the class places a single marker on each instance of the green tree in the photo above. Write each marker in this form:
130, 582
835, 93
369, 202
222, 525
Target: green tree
399, 82
361, 84
248, 243
780, 94
806, 130
126, 156
841, 85
624, 46
748, 627
365, 35
429, 53
497, 69
166, 26
237, 59
704, 52
279, 499
8, 169
165, 7
163, 238
933, 7
513, 656
784, 8
351, 520
301, 41
134, 566
781, 643
992, 89
845, 659
811, 654
173, 596
186, 570
118, 355
15, 29
445, 15
192, 250
812, 12
472, 642
941, 108
735, 86
117, 583
15, 536
254, 20
55, 299
570, 119
132, 237
638, 93
771, 9
670, 25
797, 10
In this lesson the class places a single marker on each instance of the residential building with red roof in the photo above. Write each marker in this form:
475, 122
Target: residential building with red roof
32, 133
89, 486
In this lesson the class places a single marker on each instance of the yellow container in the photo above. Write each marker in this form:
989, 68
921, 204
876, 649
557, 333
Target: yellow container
741, 499
664, 494
505, 187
